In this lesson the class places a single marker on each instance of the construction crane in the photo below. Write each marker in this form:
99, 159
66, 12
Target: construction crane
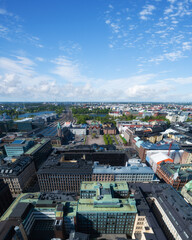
170, 145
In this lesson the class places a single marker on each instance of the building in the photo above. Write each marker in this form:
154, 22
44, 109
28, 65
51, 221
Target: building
147, 146
18, 147
105, 208
24, 125
186, 192
89, 153
58, 174
146, 226
5, 197
176, 175
187, 156
173, 214
39, 216
40, 151
6, 125
79, 130
155, 159
18, 174
131, 173
109, 128
94, 128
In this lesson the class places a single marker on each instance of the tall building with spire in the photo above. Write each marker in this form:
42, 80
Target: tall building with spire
59, 130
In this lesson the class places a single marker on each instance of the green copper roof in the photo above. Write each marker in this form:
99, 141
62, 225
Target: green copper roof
188, 186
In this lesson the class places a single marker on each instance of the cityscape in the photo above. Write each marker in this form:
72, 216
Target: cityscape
95, 171
95, 120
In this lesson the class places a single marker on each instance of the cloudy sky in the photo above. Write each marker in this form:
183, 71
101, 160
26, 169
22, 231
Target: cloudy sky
96, 50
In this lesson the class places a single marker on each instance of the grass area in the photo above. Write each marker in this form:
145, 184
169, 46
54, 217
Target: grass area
107, 139
123, 139
115, 139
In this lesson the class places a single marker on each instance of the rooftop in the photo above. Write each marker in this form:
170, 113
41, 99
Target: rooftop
104, 200
184, 170
37, 146
55, 164
140, 168
159, 146
15, 168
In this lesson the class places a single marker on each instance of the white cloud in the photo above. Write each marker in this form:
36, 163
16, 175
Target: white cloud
147, 10
70, 47
5, 12
40, 59
20, 66
187, 46
67, 69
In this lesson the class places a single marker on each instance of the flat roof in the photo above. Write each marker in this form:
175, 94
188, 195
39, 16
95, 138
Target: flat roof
132, 169
87, 205
36, 146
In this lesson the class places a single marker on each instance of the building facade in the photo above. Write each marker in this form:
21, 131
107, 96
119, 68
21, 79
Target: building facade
101, 211
18, 174
176, 175
58, 174
40, 151
18, 147
131, 173
173, 214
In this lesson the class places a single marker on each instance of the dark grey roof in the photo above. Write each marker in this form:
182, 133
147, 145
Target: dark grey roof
21, 210
15, 168
53, 165
178, 211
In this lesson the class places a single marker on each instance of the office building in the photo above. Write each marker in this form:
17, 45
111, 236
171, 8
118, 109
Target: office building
176, 175
24, 124
58, 174
18, 147
18, 174
133, 172
105, 208
40, 151
94, 154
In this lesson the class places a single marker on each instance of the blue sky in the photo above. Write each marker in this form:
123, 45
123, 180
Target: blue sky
98, 50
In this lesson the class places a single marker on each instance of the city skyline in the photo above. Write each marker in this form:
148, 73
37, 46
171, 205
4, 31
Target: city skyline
96, 51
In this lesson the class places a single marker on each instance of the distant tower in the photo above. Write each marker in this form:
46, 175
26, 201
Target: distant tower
59, 131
